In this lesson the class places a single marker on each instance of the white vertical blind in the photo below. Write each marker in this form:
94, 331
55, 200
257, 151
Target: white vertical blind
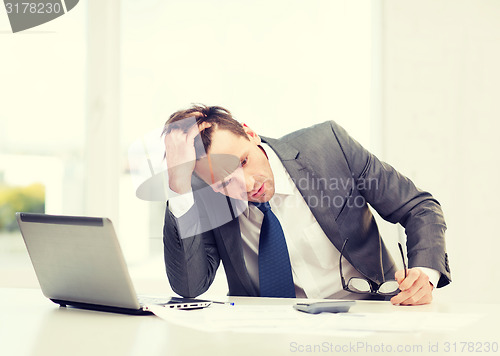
102, 144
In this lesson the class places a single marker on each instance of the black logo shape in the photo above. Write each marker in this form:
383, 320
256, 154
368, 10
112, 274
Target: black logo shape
25, 14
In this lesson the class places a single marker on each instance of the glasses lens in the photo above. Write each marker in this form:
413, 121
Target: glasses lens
359, 285
388, 287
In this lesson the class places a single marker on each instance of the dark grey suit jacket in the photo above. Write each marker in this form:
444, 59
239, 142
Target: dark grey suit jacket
337, 177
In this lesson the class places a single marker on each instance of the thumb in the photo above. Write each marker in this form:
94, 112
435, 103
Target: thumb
400, 276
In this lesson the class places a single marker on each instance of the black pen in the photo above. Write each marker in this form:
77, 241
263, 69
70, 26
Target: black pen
227, 303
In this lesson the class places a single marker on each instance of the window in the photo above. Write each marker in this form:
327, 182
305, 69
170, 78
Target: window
41, 130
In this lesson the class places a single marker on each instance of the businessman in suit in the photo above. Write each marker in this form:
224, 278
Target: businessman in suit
316, 183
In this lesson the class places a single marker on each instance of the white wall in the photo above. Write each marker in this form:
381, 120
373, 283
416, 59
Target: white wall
441, 90
278, 65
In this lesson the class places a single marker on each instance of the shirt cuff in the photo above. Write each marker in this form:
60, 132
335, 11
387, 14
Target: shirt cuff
432, 274
179, 204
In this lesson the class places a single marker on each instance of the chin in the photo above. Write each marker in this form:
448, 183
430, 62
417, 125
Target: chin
264, 198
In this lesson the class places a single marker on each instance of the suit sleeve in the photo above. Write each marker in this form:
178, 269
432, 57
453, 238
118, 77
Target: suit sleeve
191, 261
398, 200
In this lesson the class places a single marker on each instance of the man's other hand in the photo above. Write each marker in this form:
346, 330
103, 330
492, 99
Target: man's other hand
415, 288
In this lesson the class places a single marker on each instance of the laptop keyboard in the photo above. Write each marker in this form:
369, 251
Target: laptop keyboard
173, 302
144, 300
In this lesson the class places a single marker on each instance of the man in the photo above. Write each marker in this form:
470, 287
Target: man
309, 190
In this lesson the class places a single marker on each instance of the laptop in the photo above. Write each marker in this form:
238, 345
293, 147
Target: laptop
79, 262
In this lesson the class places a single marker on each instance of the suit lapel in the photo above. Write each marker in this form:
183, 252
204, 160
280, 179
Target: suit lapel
302, 175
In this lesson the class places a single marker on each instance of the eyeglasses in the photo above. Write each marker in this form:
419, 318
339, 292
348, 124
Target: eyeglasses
363, 286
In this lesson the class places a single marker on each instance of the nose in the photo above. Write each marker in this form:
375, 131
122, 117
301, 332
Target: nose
249, 182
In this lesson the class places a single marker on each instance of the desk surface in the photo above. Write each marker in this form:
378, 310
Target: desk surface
30, 324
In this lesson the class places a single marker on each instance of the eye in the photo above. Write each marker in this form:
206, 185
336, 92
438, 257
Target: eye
244, 161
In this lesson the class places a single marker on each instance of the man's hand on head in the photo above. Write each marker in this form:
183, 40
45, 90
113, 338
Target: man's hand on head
181, 156
415, 288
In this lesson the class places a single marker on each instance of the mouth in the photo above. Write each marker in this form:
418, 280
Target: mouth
259, 192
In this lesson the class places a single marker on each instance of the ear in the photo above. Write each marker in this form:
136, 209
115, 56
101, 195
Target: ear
252, 136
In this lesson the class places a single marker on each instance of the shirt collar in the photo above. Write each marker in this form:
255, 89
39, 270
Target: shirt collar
282, 181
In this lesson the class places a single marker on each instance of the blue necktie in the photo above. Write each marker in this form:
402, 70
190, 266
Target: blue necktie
275, 271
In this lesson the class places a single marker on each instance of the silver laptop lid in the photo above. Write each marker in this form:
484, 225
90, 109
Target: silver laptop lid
78, 259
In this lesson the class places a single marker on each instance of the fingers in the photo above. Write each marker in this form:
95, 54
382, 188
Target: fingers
399, 276
415, 288
419, 297
204, 125
195, 130
413, 275
176, 134
190, 133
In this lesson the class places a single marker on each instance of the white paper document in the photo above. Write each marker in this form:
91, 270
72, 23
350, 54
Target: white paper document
285, 319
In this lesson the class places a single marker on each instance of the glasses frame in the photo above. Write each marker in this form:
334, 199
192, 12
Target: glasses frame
373, 290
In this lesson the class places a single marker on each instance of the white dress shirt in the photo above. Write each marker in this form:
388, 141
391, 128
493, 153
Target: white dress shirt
314, 259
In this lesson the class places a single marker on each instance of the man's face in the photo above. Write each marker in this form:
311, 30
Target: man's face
253, 180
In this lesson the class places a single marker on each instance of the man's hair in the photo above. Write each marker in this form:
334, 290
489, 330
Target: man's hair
219, 117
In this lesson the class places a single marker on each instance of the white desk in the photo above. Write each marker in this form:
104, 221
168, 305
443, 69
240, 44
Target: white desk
30, 324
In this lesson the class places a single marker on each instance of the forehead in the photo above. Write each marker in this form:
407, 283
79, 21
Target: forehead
226, 142
225, 152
